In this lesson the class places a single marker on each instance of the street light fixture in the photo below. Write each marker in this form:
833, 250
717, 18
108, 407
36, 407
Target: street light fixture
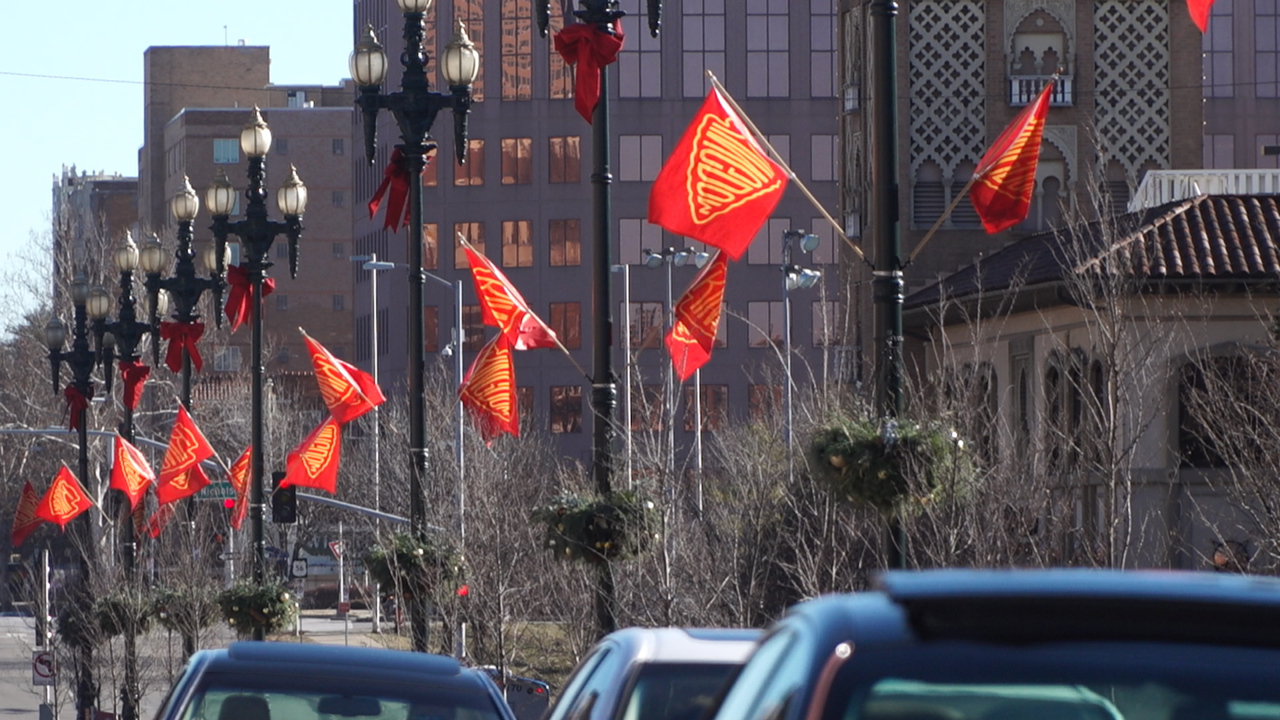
794, 278
414, 108
257, 233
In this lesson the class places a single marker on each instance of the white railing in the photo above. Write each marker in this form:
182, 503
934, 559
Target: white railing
1164, 186
1024, 88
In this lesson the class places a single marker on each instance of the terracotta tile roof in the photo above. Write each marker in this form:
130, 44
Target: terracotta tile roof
1208, 238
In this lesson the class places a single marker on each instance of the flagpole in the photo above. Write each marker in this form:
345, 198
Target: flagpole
778, 159
941, 219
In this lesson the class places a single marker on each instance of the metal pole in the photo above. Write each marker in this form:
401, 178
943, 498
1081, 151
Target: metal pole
377, 429
786, 359
626, 364
257, 463
459, 412
668, 258
415, 160
697, 435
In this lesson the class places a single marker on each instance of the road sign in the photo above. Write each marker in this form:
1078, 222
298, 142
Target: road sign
217, 491
42, 668
299, 568
335, 547
344, 608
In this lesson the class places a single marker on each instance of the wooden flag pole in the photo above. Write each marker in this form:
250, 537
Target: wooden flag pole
778, 159
941, 219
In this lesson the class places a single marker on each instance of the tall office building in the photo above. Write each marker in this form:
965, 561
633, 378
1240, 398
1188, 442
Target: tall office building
524, 197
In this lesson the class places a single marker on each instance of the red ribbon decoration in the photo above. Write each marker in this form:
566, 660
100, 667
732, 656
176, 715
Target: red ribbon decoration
135, 375
76, 402
586, 45
182, 335
395, 187
238, 304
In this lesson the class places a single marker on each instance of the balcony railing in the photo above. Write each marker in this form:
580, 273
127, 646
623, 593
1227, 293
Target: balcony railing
1024, 88
1165, 186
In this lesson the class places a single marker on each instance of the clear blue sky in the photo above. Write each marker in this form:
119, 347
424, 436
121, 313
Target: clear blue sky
71, 79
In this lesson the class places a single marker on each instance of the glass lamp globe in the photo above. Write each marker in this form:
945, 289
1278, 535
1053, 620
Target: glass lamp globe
99, 303
220, 197
414, 6
125, 255
209, 257
255, 139
368, 62
55, 334
185, 204
79, 289
151, 256
460, 61
291, 198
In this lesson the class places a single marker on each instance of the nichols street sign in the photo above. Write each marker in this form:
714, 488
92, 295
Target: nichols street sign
217, 491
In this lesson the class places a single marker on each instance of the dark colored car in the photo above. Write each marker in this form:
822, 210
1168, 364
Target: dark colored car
290, 681
1022, 645
526, 697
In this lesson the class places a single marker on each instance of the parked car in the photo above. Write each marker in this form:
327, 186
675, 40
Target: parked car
527, 697
653, 674
1022, 645
289, 681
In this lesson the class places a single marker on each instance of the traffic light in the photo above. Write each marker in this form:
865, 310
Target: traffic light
284, 501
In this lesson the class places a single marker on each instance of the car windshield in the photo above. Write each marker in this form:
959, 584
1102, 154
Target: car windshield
1093, 681
675, 691
283, 698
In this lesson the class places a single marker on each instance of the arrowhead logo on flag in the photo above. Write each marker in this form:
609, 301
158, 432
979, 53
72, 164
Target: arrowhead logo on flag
25, 520
187, 448
64, 500
348, 391
1005, 177
238, 475
314, 463
718, 186
503, 307
489, 390
156, 523
130, 473
697, 317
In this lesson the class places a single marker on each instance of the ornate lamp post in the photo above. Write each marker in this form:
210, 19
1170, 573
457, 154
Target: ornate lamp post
415, 108
120, 338
81, 359
257, 233
794, 277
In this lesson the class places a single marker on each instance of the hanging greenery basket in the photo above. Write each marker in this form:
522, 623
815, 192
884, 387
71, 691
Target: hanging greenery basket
596, 530
247, 607
886, 465
117, 614
184, 609
417, 566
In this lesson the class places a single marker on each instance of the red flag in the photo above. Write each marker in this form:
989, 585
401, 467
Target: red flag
718, 186
503, 307
187, 447
64, 500
25, 520
239, 477
591, 49
697, 317
135, 375
314, 463
489, 390
156, 523
1005, 177
239, 299
1199, 10
348, 391
130, 473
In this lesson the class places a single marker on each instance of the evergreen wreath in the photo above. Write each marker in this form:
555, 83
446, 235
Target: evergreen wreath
886, 465
183, 609
116, 614
415, 566
247, 607
595, 530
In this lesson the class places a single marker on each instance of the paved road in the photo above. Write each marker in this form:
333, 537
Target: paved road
19, 700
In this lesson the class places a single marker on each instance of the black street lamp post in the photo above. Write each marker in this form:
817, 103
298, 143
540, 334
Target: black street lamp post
120, 338
81, 359
257, 233
415, 108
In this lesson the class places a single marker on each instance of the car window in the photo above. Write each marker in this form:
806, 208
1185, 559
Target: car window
764, 688
595, 673
670, 691
286, 701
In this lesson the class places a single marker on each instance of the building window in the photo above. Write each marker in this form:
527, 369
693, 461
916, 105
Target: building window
430, 246
282, 355
640, 63
646, 323
471, 173
764, 402
338, 199
517, 161
474, 233
560, 76
647, 408
703, 44
226, 152
566, 242
767, 72
566, 321
1266, 36
565, 159
227, 360
430, 174
282, 301
640, 157
431, 328
339, 249
828, 323
634, 235
822, 166
1219, 151
714, 408
280, 146
339, 146
822, 48
825, 253
524, 402
472, 328
517, 243
339, 303
517, 50
566, 408
1217, 48
765, 322
282, 250
766, 248
471, 12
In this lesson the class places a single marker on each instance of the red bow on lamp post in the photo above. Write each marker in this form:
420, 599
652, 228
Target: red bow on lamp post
135, 375
182, 335
590, 48
238, 305
76, 402
395, 188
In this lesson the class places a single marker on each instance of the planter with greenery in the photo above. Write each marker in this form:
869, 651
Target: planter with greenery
247, 607
416, 566
616, 527
890, 466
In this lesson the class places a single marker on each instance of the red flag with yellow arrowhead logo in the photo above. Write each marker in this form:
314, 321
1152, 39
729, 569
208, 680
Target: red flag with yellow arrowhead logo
718, 186
130, 473
1005, 177
348, 391
25, 520
489, 390
502, 306
64, 500
187, 447
238, 475
697, 318
156, 523
314, 463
